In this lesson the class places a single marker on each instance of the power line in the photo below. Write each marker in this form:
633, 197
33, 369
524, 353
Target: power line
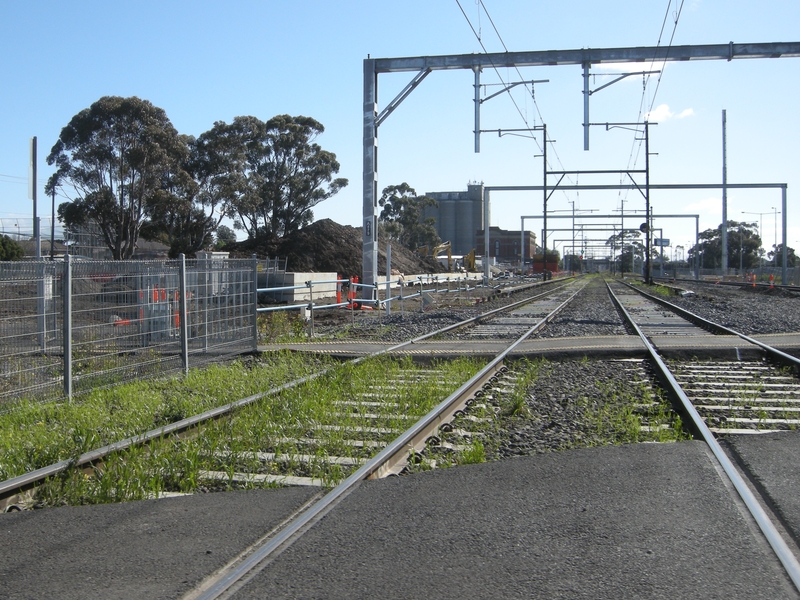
497, 72
638, 147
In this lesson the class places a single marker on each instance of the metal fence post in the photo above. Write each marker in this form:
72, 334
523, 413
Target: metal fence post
255, 303
67, 319
402, 307
41, 305
182, 313
310, 285
388, 278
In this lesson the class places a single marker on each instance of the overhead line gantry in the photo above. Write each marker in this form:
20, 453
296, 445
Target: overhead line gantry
586, 57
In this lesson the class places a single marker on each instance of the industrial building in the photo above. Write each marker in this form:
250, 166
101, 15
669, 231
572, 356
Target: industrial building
504, 245
458, 217
459, 220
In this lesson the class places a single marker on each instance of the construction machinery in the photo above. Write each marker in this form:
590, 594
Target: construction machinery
469, 261
436, 251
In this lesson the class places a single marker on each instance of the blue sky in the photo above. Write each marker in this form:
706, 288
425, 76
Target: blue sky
208, 61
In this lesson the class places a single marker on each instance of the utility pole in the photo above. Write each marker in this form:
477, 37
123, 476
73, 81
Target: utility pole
37, 238
724, 231
544, 173
648, 274
53, 224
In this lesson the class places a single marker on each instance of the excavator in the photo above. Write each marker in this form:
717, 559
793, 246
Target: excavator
436, 250
469, 261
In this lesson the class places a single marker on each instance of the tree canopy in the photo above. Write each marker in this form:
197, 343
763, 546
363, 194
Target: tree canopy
9, 249
127, 172
630, 247
744, 247
776, 256
269, 174
402, 217
118, 158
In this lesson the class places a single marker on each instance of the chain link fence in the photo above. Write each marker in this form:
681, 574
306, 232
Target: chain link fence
70, 326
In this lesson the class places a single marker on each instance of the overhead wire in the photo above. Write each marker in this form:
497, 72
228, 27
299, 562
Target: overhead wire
500, 77
636, 146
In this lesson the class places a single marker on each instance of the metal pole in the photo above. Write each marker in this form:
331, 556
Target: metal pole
402, 304
648, 274
775, 237
311, 308
207, 283
369, 260
784, 251
67, 319
255, 301
697, 246
572, 254
486, 237
53, 225
182, 313
388, 278
477, 71
586, 94
724, 230
37, 237
544, 200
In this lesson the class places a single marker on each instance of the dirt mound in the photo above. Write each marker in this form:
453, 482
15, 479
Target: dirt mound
327, 247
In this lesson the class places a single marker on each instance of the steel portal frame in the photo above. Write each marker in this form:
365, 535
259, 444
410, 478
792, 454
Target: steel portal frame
585, 57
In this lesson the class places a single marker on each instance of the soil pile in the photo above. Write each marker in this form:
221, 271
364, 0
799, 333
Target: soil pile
327, 247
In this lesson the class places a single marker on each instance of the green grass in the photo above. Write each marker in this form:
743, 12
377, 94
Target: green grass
42, 434
36, 434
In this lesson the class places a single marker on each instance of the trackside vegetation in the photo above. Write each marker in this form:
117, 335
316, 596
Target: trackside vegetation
315, 418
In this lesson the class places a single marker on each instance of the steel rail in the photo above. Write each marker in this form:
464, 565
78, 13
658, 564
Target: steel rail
716, 327
10, 488
737, 284
779, 546
374, 467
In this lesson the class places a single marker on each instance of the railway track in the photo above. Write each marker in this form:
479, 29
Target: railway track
321, 451
746, 388
458, 426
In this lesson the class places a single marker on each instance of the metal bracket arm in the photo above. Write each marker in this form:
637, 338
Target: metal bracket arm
512, 85
620, 78
401, 96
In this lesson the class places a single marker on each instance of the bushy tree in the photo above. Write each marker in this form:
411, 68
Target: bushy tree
117, 160
10, 250
402, 220
743, 243
225, 235
269, 175
776, 256
630, 246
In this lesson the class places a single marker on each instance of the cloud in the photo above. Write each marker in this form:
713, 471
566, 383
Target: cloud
663, 113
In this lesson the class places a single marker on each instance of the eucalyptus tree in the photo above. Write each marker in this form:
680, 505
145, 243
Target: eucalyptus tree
268, 174
116, 161
297, 173
744, 246
402, 216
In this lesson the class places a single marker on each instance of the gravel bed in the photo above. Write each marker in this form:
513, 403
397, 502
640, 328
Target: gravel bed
591, 313
577, 404
396, 327
747, 311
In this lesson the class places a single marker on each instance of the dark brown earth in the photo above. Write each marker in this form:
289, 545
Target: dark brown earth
327, 247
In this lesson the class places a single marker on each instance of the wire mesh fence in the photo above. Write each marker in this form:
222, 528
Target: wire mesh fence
72, 326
